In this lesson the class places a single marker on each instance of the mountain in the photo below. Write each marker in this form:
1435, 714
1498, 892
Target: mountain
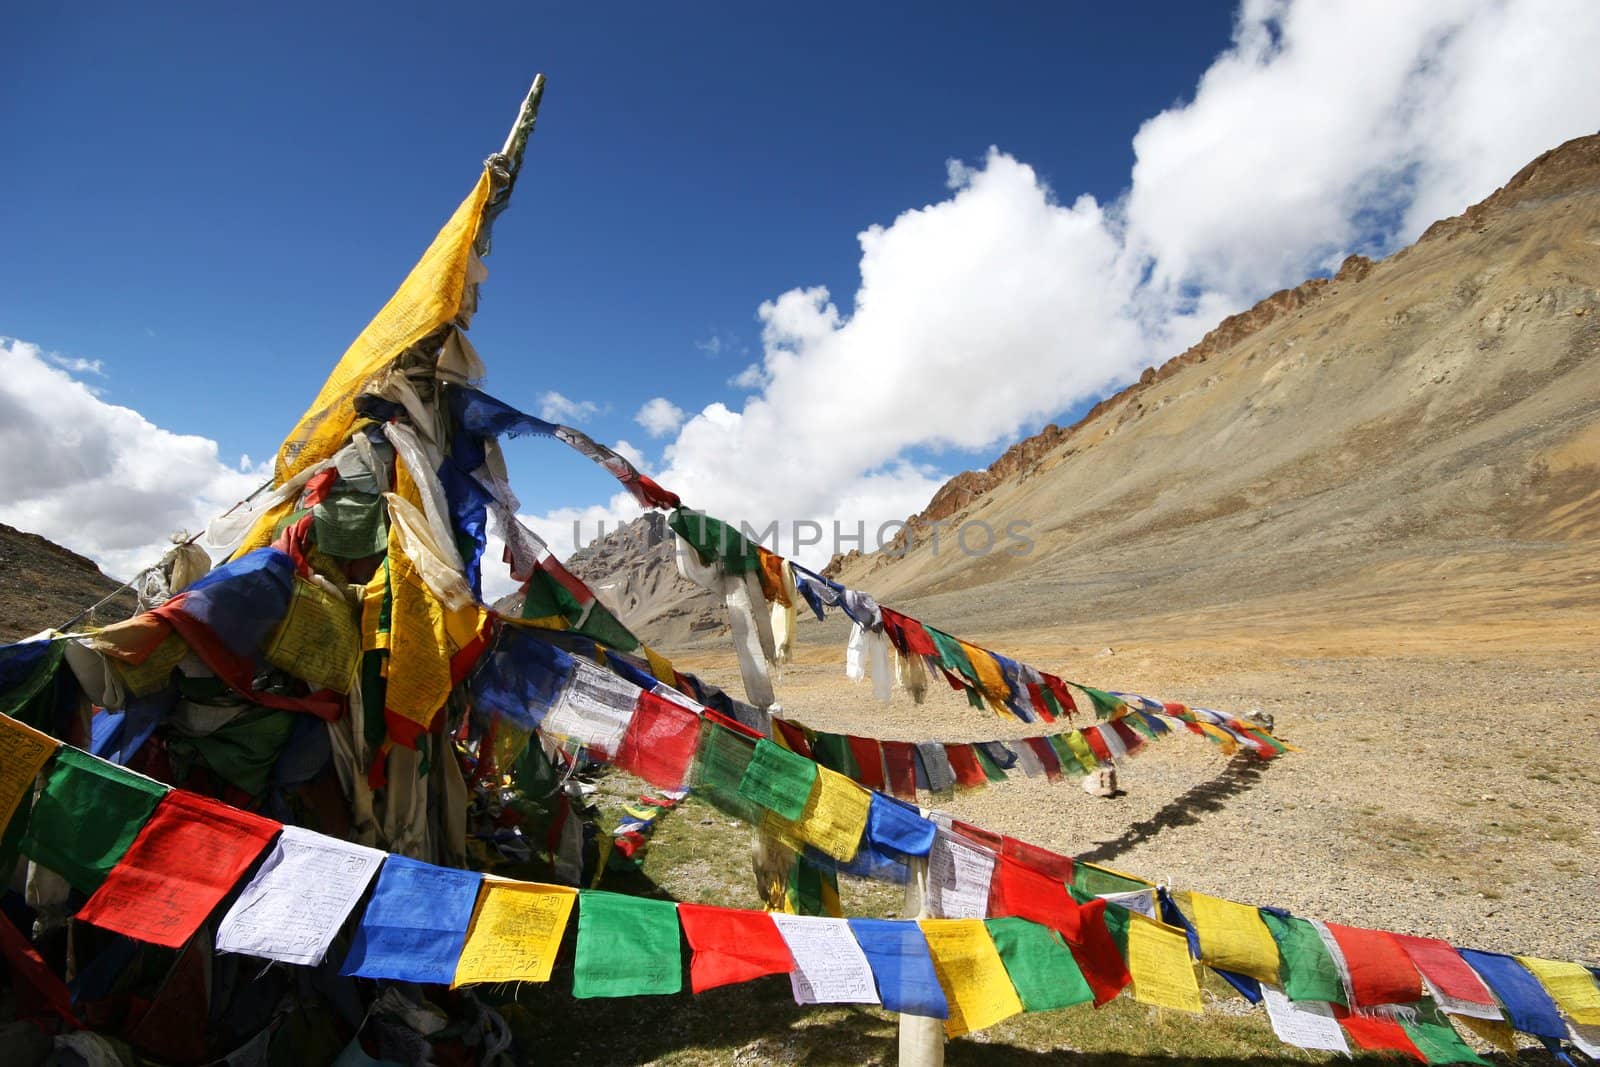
1417, 434
632, 572
43, 585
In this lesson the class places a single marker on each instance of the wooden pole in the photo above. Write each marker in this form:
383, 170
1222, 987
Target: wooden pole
921, 1038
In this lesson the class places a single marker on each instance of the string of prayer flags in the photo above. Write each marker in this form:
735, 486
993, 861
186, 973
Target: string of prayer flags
1571, 986
1160, 965
976, 986
1378, 969
904, 972
731, 945
86, 817
627, 946
1306, 1024
415, 925
1307, 970
778, 780
1234, 938
829, 966
515, 932
299, 898
1039, 963
23, 753
184, 861
660, 742
1452, 984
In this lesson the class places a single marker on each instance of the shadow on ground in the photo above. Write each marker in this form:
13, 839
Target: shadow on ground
1241, 773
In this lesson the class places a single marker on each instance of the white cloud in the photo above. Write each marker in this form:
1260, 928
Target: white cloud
659, 416
627, 451
99, 478
553, 407
1323, 129
77, 364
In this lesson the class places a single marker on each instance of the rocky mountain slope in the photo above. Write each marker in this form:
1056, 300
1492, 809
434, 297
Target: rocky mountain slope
1423, 429
44, 585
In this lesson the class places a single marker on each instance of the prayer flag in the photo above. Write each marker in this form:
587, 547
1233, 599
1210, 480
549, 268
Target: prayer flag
899, 758
23, 753
515, 932
190, 854
1234, 938
86, 817
303, 892
1158, 959
1303, 1024
627, 946
976, 986
964, 763
725, 755
833, 819
1527, 1004
1308, 971
898, 954
1022, 891
778, 780
868, 757
1570, 986
1437, 1040
1377, 1034
731, 945
1455, 986
1379, 969
899, 827
594, 709
415, 925
660, 742
1039, 964
959, 874
829, 966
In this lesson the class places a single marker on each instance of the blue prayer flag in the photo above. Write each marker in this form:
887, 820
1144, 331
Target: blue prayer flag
415, 924
898, 954
893, 825
1530, 1008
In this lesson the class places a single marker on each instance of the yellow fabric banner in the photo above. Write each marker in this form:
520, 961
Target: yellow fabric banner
151, 676
1158, 959
1081, 750
429, 298
1572, 988
23, 753
834, 818
660, 666
975, 982
1233, 938
990, 680
318, 639
423, 636
515, 932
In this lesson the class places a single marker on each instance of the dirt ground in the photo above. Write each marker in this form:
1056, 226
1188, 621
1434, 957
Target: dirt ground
1446, 783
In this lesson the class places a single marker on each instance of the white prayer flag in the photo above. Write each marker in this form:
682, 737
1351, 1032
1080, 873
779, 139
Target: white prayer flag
829, 966
297, 901
958, 878
1142, 901
1304, 1023
594, 708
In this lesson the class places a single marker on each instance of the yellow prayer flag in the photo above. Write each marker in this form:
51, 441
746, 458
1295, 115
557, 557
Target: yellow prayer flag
975, 982
151, 676
318, 638
23, 753
515, 932
423, 636
660, 666
1081, 751
1224, 739
991, 681
1496, 1032
1158, 959
834, 818
1233, 938
429, 298
1572, 988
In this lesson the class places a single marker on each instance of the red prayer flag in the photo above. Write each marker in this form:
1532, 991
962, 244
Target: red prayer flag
1377, 1035
1445, 970
964, 762
1058, 689
900, 760
731, 945
914, 640
30, 972
1130, 738
988, 839
1380, 970
660, 742
190, 854
1029, 894
1047, 756
1097, 744
1039, 859
869, 761
1096, 952
1040, 704
793, 736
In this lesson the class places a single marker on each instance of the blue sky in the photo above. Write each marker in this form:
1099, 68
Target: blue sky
202, 207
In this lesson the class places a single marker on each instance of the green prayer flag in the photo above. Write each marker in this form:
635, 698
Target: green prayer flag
351, 525
1094, 881
778, 780
1064, 753
243, 750
952, 656
1306, 969
833, 752
1436, 1039
991, 769
1117, 925
1039, 964
719, 767
1104, 702
714, 540
22, 685
627, 946
86, 817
